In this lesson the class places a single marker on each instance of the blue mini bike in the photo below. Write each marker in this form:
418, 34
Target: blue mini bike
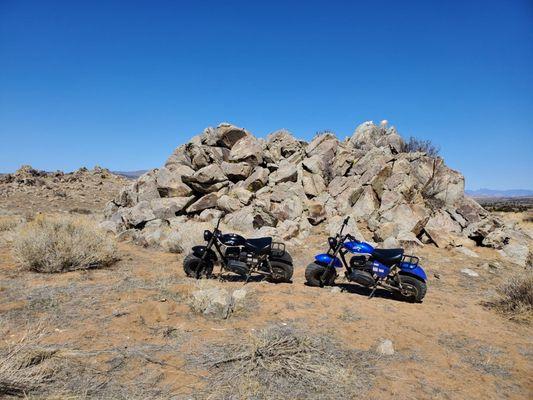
390, 269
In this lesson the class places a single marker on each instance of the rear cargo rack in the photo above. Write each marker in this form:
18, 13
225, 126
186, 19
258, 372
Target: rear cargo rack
277, 249
413, 260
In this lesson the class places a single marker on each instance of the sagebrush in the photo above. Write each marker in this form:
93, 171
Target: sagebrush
62, 243
426, 146
284, 362
24, 367
515, 297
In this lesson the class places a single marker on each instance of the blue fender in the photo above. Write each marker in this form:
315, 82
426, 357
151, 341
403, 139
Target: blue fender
413, 269
325, 259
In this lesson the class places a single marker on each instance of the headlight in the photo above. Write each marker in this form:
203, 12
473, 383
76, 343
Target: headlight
207, 236
332, 242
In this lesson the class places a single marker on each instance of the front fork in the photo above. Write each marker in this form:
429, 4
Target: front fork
329, 272
200, 268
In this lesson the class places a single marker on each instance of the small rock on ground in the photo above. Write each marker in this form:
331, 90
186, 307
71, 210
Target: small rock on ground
385, 348
469, 272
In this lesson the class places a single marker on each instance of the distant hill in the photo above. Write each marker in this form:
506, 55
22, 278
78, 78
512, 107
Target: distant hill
499, 193
130, 174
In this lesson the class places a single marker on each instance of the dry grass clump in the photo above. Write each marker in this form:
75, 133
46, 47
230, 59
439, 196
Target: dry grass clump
283, 363
58, 244
24, 367
414, 145
515, 298
9, 222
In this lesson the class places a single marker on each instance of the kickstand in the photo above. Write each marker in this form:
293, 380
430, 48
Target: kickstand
372, 292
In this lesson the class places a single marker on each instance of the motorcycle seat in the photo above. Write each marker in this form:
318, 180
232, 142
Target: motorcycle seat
388, 256
259, 245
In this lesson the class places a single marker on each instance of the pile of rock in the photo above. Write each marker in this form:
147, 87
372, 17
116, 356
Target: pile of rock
283, 186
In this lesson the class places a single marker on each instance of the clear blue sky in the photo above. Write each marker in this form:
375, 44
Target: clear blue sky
121, 83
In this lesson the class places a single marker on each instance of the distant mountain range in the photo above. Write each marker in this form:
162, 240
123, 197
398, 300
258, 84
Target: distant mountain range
499, 193
130, 174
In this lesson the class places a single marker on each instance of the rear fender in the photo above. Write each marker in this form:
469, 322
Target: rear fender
414, 271
285, 258
199, 251
325, 260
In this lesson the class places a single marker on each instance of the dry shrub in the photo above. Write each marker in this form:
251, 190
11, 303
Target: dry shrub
23, 366
515, 298
63, 243
283, 363
415, 145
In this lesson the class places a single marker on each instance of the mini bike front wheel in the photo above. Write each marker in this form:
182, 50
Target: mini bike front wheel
314, 273
191, 263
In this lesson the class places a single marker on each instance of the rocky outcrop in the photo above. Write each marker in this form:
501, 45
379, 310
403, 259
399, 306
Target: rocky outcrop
285, 186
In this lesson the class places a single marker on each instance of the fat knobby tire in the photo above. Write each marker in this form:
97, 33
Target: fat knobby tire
190, 265
284, 271
313, 272
418, 284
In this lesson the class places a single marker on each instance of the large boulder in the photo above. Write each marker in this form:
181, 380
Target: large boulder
225, 135
169, 181
247, 149
208, 201
368, 136
236, 171
286, 172
256, 180
281, 144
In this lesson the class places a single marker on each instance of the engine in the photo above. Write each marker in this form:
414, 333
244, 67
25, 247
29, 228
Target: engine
239, 261
361, 271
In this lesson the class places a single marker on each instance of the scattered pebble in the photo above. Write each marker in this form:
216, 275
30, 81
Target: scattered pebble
385, 348
336, 289
469, 272
436, 275
466, 251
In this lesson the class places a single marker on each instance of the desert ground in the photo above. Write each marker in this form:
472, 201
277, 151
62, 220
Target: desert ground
129, 331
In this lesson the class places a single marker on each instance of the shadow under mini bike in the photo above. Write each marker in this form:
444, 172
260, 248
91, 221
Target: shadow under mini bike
389, 269
239, 255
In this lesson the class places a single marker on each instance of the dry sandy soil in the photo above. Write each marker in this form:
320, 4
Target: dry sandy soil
128, 331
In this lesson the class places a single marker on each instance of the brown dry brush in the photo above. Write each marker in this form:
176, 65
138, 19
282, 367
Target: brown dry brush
283, 362
415, 145
32, 371
515, 298
24, 366
63, 243
9, 222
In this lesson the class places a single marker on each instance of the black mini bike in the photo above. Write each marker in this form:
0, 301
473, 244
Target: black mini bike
239, 255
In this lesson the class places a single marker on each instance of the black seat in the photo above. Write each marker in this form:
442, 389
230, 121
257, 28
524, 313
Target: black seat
259, 245
388, 256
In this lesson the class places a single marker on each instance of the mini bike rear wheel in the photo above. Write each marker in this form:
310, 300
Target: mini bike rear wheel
414, 289
281, 272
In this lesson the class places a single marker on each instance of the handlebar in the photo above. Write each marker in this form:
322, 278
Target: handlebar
345, 222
